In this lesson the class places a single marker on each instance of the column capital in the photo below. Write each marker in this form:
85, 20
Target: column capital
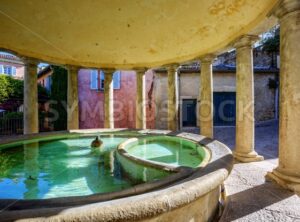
108, 70
209, 58
172, 67
142, 70
30, 61
72, 68
284, 7
245, 41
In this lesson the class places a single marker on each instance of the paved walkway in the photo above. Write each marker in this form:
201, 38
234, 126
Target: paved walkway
250, 197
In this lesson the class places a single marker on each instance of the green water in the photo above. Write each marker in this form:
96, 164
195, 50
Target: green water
60, 168
169, 150
69, 167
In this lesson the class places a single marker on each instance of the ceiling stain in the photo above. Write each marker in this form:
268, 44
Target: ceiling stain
223, 7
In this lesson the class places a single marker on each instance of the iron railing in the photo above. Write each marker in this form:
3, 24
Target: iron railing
14, 126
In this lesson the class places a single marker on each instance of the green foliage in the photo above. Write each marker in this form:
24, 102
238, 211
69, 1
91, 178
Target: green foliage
17, 88
13, 115
272, 44
59, 97
5, 164
5, 88
11, 88
42, 91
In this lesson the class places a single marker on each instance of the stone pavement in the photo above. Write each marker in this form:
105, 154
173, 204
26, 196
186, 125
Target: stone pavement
249, 196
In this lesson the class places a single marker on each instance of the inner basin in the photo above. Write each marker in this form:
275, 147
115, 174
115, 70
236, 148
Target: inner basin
169, 150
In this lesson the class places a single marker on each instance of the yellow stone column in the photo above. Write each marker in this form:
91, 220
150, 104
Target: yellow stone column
287, 174
72, 109
140, 119
245, 120
31, 121
172, 97
205, 108
108, 98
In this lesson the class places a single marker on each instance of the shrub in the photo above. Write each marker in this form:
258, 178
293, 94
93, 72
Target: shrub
11, 88
13, 115
59, 95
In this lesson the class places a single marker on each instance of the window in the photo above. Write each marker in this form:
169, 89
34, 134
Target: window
117, 80
8, 70
14, 71
97, 80
94, 79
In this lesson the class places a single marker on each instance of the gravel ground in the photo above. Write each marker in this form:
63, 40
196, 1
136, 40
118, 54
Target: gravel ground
250, 196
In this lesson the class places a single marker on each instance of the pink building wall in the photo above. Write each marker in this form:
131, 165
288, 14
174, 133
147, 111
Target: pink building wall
91, 102
19, 68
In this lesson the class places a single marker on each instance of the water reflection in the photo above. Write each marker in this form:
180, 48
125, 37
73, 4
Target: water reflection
106, 160
31, 170
59, 168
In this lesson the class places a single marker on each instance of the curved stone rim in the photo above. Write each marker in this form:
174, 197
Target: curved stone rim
176, 194
163, 166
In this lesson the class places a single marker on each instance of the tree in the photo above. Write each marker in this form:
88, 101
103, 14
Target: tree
5, 89
59, 97
11, 88
271, 45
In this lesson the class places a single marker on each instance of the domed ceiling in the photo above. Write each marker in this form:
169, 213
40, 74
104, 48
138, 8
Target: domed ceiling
125, 33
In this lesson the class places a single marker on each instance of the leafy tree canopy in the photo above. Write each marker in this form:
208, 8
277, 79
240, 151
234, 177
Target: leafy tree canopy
272, 44
11, 88
58, 96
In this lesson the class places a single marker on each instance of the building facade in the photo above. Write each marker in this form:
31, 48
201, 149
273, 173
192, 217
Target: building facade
224, 96
91, 99
91, 92
11, 65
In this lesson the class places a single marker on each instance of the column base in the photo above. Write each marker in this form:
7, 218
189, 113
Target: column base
290, 182
247, 157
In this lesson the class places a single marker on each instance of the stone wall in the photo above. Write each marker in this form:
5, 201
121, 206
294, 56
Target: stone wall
264, 97
223, 82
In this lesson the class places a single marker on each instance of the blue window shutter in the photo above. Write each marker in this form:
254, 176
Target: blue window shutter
94, 79
117, 80
101, 80
5, 70
14, 72
9, 68
1, 69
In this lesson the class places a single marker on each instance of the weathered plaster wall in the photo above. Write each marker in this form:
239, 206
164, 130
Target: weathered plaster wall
161, 103
91, 102
223, 82
264, 97
20, 72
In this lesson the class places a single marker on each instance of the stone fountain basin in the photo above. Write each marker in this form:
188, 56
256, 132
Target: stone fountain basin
189, 194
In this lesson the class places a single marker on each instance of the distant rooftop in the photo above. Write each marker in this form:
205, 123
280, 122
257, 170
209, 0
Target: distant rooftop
9, 57
195, 67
